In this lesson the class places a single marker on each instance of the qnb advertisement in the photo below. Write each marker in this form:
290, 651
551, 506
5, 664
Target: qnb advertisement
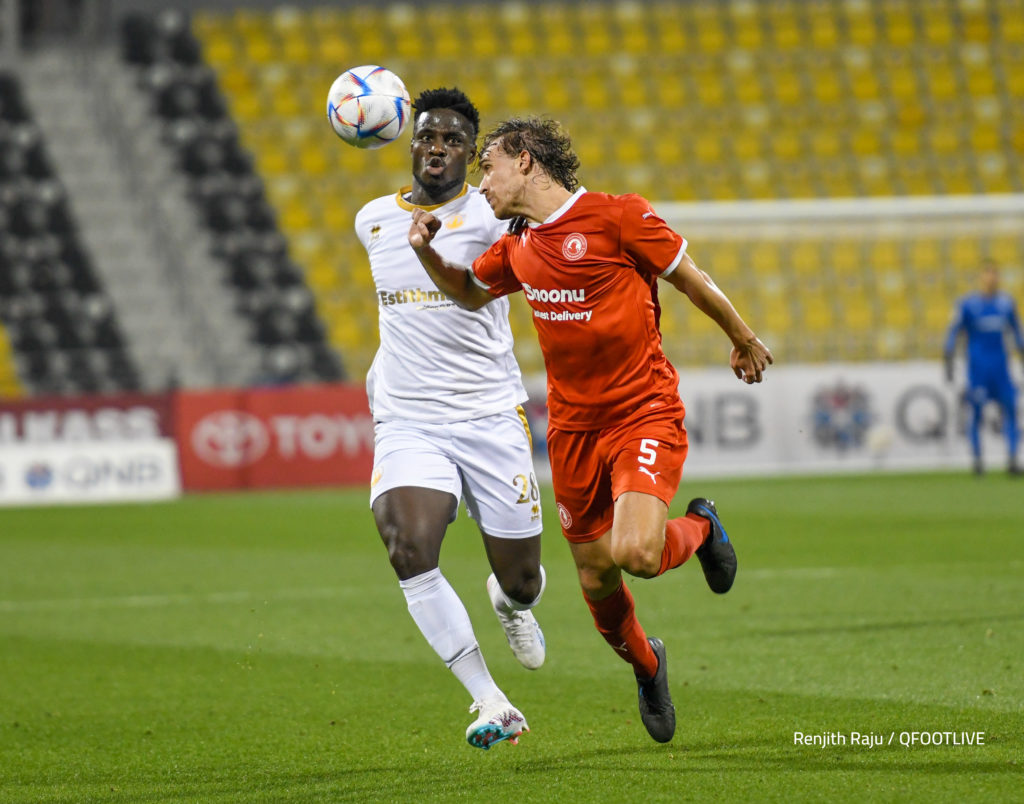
809, 419
274, 438
89, 449
834, 418
107, 471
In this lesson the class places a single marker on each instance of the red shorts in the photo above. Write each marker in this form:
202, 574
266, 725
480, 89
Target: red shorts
591, 468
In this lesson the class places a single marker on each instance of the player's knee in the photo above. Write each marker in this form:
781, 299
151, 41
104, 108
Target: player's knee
595, 584
409, 556
638, 558
523, 587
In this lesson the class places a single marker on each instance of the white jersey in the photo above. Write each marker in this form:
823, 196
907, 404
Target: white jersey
436, 362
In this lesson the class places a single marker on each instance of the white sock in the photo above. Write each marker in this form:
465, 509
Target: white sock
515, 605
444, 621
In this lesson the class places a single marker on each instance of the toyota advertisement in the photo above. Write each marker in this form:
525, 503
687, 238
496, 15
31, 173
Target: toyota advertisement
274, 438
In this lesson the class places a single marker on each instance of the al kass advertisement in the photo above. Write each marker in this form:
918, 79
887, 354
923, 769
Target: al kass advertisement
274, 438
113, 417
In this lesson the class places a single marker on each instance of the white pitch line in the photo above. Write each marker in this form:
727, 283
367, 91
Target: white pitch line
157, 601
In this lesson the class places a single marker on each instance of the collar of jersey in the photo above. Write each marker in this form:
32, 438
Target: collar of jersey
400, 198
558, 213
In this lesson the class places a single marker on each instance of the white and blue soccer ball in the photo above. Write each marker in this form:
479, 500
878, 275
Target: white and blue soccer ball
368, 106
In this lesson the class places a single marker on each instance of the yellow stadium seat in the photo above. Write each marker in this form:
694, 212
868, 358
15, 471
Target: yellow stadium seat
942, 82
786, 144
294, 215
785, 26
875, 176
886, 255
222, 47
824, 31
787, 86
981, 83
974, 22
994, 175
915, 177
804, 259
708, 148
944, 140
1011, 23
711, 37
722, 260
826, 87
668, 26
1006, 249
862, 78
858, 313
964, 252
905, 142
899, 27
958, 177
747, 33
938, 26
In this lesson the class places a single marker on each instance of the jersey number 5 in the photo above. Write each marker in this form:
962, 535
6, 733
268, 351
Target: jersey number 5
647, 452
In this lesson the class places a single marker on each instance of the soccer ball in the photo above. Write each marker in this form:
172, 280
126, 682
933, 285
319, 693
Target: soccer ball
368, 106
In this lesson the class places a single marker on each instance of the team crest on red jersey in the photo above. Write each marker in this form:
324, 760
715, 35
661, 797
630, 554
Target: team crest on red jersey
574, 246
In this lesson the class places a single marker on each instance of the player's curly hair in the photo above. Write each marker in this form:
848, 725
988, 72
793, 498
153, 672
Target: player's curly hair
546, 142
445, 98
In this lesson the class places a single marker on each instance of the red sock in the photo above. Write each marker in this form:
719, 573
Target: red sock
683, 535
615, 618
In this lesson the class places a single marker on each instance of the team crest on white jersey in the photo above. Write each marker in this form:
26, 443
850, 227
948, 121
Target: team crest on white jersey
574, 246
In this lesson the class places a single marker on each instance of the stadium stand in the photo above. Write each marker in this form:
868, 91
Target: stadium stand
62, 334
682, 101
745, 100
269, 288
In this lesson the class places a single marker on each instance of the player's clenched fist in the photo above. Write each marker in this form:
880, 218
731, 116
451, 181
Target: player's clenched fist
750, 359
424, 227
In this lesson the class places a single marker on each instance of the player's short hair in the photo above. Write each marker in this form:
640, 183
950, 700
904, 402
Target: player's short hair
445, 98
545, 140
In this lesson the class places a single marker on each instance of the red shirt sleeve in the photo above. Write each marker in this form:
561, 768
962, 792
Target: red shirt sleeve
650, 242
493, 269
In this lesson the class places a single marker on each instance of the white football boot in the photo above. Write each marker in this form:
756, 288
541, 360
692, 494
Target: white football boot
498, 721
521, 628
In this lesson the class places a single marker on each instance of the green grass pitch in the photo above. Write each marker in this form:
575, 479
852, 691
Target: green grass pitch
256, 648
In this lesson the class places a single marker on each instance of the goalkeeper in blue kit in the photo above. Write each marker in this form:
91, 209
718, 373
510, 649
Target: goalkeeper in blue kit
984, 318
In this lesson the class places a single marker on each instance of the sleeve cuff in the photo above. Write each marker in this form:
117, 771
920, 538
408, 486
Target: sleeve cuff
678, 259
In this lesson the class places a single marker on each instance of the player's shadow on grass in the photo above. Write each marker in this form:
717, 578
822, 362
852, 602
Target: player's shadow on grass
901, 625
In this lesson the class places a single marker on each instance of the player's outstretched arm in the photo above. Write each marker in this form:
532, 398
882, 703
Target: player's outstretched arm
454, 281
749, 357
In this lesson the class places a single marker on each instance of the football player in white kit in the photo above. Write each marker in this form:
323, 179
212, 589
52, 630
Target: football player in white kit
446, 394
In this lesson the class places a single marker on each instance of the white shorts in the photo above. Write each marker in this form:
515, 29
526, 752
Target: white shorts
488, 462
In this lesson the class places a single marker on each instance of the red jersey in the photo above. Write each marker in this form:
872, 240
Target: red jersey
590, 274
